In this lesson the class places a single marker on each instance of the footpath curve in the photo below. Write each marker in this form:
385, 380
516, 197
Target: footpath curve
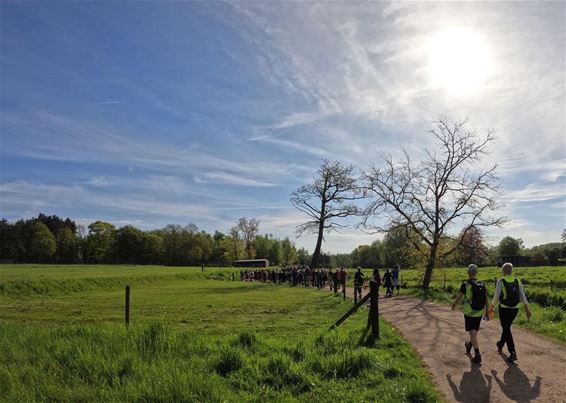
437, 333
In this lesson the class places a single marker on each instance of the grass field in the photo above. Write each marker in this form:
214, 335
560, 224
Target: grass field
191, 338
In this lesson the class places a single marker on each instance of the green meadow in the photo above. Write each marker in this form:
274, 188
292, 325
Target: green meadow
193, 336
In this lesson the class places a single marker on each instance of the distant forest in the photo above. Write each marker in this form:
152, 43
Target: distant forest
52, 239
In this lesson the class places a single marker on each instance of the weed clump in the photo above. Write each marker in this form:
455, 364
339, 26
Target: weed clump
280, 373
229, 360
349, 364
246, 340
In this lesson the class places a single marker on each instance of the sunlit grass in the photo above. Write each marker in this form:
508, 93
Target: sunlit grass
193, 337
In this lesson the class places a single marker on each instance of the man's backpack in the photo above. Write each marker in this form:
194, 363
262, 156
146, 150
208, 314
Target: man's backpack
479, 296
512, 293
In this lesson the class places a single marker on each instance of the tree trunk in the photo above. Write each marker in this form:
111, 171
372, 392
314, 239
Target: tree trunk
316, 253
430, 266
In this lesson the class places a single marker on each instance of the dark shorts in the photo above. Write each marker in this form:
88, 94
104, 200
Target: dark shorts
472, 323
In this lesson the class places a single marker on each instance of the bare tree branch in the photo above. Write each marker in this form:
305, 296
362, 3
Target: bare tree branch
445, 188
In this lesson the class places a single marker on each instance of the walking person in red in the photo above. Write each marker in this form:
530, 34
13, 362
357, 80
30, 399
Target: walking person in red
509, 293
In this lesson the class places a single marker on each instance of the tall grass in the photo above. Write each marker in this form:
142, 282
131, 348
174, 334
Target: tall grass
157, 363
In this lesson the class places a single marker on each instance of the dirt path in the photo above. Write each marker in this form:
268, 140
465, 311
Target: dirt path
438, 334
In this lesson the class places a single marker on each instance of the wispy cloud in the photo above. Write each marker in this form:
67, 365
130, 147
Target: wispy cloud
112, 102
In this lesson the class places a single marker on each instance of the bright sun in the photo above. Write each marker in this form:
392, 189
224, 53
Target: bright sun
459, 60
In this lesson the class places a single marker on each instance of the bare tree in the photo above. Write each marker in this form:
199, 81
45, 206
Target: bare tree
326, 200
447, 187
249, 229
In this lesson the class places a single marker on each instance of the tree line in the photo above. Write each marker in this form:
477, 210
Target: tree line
52, 239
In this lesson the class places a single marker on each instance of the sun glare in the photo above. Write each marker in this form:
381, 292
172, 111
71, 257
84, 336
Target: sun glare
459, 60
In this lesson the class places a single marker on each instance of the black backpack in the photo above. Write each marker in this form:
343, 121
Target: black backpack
479, 297
512, 291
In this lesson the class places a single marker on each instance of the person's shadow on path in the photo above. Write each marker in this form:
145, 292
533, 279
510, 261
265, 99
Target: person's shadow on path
516, 384
474, 387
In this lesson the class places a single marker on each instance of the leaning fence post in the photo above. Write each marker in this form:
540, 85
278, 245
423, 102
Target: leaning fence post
127, 311
374, 309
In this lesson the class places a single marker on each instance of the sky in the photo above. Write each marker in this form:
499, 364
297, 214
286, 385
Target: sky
149, 113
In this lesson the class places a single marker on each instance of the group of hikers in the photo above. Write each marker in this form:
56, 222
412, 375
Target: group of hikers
472, 296
335, 280
509, 293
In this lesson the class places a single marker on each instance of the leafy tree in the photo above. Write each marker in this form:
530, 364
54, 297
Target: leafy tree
43, 245
67, 245
7, 241
325, 201
218, 253
55, 223
398, 248
303, 256
288, 252
234, 249
472, 248
509, 246
342, 259
367, 256
128, 245
275, 253
448, 186
152, 248
100, 242
248, 229
262, 246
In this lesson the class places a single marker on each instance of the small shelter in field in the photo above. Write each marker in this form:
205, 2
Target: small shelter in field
252, 263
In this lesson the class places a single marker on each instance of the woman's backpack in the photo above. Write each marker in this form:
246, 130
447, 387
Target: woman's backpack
512, 293
479, 295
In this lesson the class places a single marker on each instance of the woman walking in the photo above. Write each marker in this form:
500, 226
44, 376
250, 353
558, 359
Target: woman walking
509, 293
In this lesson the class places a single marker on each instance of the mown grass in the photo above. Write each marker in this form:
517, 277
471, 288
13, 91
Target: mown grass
192, 338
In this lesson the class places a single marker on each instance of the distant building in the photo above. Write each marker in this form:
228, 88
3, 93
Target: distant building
252, 263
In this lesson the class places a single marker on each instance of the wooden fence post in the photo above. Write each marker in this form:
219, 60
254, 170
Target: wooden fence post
127, 311
374, 309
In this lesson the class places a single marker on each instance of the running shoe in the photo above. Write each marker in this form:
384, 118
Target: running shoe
500, 346
512, 357
477, 359
468, 346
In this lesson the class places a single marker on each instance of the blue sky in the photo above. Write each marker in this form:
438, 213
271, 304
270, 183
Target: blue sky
149, 113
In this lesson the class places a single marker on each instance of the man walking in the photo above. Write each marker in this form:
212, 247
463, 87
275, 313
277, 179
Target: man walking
473, 294
509, 293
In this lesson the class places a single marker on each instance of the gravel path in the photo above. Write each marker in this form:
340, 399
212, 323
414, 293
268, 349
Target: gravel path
438, 335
